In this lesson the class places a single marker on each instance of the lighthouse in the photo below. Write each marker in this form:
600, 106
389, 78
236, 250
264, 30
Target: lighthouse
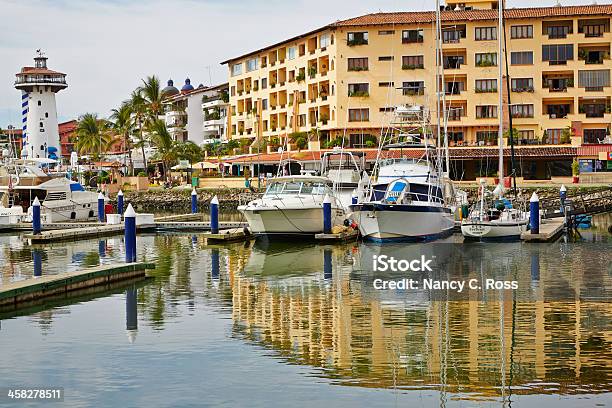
38, 86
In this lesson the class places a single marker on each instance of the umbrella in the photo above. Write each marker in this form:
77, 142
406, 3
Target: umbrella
205, 165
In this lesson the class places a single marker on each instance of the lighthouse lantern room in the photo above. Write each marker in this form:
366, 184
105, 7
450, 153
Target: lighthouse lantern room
38, 86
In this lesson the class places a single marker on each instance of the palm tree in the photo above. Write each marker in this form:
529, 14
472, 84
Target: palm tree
153, 96
123, 125
188, 151
162, 140
92, 135
139, 109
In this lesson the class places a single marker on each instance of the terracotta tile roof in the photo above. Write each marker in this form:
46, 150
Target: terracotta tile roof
33, 70
416, 17
455, 152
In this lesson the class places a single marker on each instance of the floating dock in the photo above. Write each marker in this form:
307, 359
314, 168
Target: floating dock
197, 225
229, 235
97, 230
350, 234
550, 229
32, 290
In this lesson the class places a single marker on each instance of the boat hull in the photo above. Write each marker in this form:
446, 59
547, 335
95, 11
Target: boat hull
389, 223
288, 221
491, 231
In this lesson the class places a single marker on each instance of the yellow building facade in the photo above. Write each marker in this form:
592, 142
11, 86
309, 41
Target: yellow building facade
345, 79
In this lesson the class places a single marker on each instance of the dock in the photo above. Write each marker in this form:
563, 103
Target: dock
97, 230
550, 229
349, 234
197, 225
29, 291
229, 235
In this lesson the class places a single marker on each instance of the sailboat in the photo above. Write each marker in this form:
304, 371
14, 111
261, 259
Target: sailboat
495, 217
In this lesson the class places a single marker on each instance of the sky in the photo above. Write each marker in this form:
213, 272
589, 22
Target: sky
107, 47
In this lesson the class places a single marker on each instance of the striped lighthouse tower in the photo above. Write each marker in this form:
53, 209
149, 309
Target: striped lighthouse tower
38, 86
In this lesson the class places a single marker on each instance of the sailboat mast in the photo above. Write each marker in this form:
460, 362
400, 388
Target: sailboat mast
500, 106
438, 64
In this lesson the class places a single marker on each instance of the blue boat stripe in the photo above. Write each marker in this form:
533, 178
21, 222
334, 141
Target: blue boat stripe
397, 207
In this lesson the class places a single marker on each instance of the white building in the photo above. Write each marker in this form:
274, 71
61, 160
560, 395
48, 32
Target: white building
198, 115
38, 86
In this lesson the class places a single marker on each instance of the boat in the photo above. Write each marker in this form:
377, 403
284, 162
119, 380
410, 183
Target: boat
293, 206
346, 170
495, 217
62, 199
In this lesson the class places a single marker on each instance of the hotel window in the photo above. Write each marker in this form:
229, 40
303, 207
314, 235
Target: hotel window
386, 32
521, 31
485, 33
526, 135
251, 64
264, 104
264, 83
553, 136
558, 31
412, 36
486, 111
522, 111
357, 38
594, 136
488, 59
357, 64
594, 80
359, 115
358, 89
385, 84
521, 58
455, 136
39, 103
233, 90
413, 88
291, 52
324, 41
558, 54
236, 69
386, 109
522, 84
412, 62
485, 85
386, 58
487, 136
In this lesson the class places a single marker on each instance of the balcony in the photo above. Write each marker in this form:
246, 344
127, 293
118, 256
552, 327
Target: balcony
594, 28
453, 61
557, 29
558, 111
594, 55
453, 34
558, 82
214, 103
594, 108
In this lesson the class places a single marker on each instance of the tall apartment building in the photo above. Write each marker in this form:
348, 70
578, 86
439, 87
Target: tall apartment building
346, 77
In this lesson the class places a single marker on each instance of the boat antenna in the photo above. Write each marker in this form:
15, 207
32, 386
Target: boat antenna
511, 132
500, 104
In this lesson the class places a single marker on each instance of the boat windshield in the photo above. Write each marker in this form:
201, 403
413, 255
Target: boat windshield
297, 187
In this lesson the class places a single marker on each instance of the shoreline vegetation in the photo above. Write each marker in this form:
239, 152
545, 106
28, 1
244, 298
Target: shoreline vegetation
179, 199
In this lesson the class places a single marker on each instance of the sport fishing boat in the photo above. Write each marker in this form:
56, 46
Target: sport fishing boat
495, 217
344, 168
293, 205
22, 180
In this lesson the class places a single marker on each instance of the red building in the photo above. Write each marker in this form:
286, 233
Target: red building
67, 137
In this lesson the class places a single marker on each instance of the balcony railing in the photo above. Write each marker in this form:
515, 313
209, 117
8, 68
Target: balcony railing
37, 79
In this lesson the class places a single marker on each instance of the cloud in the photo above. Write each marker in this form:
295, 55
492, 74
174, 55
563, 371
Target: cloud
106, 47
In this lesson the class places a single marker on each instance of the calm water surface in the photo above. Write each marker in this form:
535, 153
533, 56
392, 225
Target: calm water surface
280, 324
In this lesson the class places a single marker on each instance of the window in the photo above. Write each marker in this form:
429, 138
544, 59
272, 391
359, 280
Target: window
412, 36
362, 140
558, 54
594, 80
453, 61
558, 111
359, 115
522, 84
486, 59
558, 31
325, 41
522, 111
41, 124
264, 83
453, 34
386, 109
456, 136
487, 137
412, 62
357, 64
526, 135
236, 69
264, 104
594, 135
485, 85
386, 58
413, 88
521, 31
553, 136
593, 30
521, 58
357, 38
46, 114
386, 32
358, 89
251, 64
454, 87
385, 84
486, 111
485, 33
39, 103
291, 52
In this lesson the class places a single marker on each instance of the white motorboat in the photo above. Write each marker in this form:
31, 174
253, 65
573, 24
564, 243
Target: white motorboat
293, 205
344, 168
21, 181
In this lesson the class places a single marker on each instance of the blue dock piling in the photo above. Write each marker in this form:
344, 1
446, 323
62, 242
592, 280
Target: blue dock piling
130, 234
36, 225
215, 265
534, 214
101, 207
563, 196
327, 215
131, 309
37, 261
102, 248
120, 202
354, 197
214, 215
194, 201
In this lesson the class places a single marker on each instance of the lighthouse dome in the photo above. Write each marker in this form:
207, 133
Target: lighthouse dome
170, 89
187, 87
